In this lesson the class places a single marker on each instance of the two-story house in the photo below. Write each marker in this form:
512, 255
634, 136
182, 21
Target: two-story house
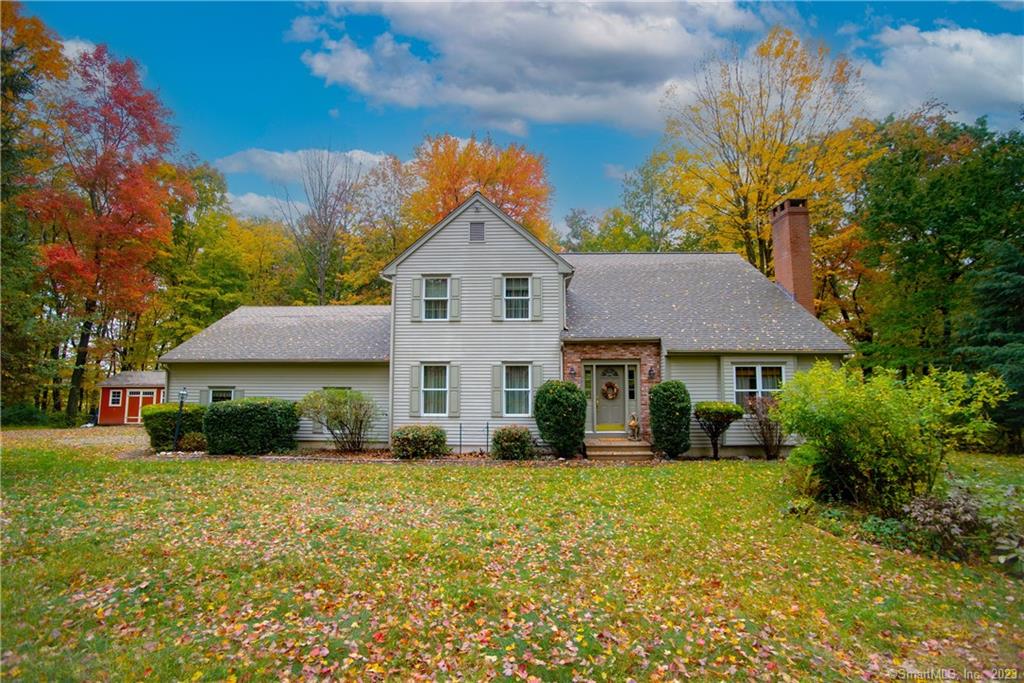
482, 313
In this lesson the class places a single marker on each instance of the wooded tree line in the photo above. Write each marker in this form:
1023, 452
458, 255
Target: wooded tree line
116, 247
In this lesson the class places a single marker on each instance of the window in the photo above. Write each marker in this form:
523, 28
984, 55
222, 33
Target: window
221, 394
476, 232
435, 298
517, 390
752, 381
517, 298
115, 397
631, 383
435, 390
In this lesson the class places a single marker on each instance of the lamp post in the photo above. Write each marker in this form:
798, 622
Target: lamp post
182, 395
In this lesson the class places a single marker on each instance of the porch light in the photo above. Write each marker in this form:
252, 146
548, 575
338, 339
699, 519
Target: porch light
650, 373
572, 372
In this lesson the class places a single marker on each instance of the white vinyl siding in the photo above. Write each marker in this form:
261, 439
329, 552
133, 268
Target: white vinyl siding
480, 340
290, 381
701, 376
115, 397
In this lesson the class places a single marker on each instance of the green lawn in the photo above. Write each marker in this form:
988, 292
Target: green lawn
131, 569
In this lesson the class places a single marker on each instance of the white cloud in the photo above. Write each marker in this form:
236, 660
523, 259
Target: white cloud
973, 72
252, 205
614, 171
530, 62
286, 167
72, 48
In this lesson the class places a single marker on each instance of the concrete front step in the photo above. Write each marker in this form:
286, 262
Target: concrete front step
618, 449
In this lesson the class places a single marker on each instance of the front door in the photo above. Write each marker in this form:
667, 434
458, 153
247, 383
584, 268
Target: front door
610, 390
136, 399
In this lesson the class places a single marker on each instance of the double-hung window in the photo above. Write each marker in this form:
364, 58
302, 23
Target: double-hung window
218, 394
434, 390
517, 298
517, 390
115, 397
435, 298
752, 381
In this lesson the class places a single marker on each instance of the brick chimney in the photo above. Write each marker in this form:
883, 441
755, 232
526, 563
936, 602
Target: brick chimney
791, 237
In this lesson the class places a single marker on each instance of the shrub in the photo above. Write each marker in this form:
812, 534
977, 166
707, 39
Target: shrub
764, 425
22, 415
512, 442
801, 466
250, 426
714, 417
950, 526
561, 413
670, 418
159, 420
192, 441
891, 533
346, 414
419, 441
880, 441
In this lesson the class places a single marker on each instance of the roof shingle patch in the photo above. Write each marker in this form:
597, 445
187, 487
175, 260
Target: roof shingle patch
292, 334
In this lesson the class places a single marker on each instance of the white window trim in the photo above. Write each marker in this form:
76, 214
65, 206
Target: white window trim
447, 298
213, 389
424, 389
119, 395
505, 389
757, 380
505, 298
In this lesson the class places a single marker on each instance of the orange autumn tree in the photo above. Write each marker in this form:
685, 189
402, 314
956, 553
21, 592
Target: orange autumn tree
103, 201
450, 169
760, 127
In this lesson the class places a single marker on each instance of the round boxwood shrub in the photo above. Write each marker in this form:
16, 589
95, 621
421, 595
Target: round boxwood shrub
670, 418
714, 417
159, 420
560, 409
414, 442
512, 442
250, 426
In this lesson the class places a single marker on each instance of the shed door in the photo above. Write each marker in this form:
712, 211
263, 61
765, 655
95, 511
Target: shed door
136, 399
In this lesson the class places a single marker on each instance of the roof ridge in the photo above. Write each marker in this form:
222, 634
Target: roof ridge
649, 253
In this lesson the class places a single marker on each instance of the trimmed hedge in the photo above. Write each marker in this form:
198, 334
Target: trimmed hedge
512, 442
419, 441
714, 417
670, 418
560, 409
250, 426
159, 420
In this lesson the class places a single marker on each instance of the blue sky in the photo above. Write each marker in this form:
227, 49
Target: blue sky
252, 83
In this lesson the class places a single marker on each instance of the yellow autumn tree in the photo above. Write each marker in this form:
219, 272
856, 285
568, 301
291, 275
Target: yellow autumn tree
762, 126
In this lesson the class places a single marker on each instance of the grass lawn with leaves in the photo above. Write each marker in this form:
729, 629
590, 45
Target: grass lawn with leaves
128, 568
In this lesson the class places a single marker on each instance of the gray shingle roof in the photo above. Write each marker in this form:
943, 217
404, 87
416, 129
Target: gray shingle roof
136, 378
291, 334
692, 302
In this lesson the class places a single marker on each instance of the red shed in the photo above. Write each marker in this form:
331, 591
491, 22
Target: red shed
123, 395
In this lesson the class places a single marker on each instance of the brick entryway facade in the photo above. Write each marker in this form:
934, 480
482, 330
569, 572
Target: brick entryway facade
646, 354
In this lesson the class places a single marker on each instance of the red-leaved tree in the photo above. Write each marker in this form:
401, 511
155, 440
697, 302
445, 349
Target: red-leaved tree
104, 201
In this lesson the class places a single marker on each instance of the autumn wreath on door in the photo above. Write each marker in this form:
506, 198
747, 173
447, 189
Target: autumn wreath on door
610, 391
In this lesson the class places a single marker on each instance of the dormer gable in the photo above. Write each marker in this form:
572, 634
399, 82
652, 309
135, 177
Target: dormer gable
477, 203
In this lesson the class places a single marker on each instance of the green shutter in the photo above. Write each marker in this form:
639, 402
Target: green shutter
537, 292
414, 390
204, 396
454, 392
498, 308
416, 302
454, 298
496, 381
535, 381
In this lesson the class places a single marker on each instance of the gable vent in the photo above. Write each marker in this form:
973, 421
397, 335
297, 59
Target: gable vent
476, 232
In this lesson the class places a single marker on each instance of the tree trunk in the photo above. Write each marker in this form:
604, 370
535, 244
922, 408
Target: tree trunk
81, 357
55, 354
